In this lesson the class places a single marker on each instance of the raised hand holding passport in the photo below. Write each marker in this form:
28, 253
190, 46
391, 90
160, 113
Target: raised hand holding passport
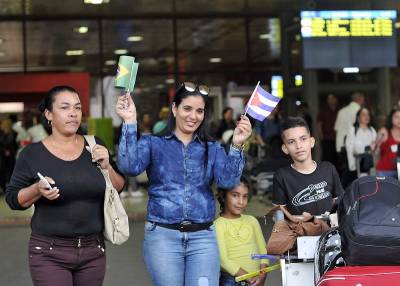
126, 108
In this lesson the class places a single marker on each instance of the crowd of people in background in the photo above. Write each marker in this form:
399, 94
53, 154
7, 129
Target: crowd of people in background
343, 134
14, 136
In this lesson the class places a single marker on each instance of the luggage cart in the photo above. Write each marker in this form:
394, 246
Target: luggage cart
298, 269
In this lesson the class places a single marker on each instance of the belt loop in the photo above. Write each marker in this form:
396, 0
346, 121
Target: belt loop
99, 244
51, 244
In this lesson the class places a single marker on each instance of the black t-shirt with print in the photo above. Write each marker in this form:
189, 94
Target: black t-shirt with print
311, 193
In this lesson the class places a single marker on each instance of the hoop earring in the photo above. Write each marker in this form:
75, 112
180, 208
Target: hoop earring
50, 123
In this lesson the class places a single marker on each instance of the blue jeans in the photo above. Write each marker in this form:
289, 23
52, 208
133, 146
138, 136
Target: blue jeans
181, 258
392, 174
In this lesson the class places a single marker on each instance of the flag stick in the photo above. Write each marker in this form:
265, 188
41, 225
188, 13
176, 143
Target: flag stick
256, 273
252, 95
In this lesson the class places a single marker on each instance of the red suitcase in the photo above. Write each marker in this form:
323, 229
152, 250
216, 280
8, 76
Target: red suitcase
362, 276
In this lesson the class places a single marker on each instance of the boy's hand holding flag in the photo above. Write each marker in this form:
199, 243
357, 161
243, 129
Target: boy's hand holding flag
261, 103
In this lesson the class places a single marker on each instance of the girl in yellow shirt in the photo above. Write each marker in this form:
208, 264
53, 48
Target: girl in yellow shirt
239, 236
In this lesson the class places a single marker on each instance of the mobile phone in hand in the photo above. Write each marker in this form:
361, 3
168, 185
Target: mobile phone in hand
42, 178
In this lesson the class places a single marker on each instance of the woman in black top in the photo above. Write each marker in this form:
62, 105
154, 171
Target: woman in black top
66, 245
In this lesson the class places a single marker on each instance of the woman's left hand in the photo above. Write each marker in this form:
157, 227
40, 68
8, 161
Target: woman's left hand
242, 131
100, 155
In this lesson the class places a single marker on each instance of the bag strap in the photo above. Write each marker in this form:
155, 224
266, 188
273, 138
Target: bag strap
90, 140
287, 214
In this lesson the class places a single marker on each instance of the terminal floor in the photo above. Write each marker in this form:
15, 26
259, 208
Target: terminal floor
125, 264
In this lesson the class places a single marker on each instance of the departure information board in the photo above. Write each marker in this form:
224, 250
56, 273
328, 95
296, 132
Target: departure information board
336, 39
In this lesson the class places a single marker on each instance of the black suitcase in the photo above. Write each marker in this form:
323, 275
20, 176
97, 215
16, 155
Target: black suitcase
369, 222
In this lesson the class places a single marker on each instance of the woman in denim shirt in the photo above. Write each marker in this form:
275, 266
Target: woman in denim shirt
180, 246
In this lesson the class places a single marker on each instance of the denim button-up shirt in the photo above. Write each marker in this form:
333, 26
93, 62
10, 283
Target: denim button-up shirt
180, 185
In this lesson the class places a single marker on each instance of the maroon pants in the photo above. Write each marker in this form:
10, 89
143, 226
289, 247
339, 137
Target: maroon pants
67, 261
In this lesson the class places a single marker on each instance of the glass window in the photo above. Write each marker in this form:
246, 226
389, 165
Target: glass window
211, 45
265, 40
45, 7
10, 7
191, 6
11, 47
123, 7
149, 41
270, 7
110, 7
61, 45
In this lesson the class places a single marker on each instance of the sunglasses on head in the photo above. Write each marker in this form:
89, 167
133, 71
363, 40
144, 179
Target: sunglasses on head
191, 87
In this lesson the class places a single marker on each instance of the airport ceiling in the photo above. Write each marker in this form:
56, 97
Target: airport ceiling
205, 30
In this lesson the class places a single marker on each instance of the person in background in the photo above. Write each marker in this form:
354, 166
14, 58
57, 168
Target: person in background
37, 132
304, 112
239, 236
360, 136
162, 123
270, 127
8, 150
66, 246
21, 128
226, 123
145, 124
388, 143
325, 125
180, 247
346, 117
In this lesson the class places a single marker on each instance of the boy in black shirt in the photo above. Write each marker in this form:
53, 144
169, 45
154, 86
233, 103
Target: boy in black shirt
304, 187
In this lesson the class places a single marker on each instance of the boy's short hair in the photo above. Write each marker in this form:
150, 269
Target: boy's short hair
292, 122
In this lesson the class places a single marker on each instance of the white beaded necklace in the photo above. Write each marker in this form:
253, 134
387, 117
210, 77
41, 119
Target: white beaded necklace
306, 173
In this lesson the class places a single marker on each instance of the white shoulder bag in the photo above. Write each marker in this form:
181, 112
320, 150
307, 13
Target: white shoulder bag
116, 223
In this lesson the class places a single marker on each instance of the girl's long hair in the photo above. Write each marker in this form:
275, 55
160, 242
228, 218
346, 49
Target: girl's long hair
357, 123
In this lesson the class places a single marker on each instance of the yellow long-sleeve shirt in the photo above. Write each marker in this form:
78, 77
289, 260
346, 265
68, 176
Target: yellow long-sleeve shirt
238, 239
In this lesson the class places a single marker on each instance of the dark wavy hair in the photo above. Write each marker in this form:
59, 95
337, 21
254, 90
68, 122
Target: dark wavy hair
180, 94
48, 100
389, 119
357, 123
222, 192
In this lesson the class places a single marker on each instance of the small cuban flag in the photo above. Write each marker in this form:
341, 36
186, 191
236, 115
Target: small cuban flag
261, 103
